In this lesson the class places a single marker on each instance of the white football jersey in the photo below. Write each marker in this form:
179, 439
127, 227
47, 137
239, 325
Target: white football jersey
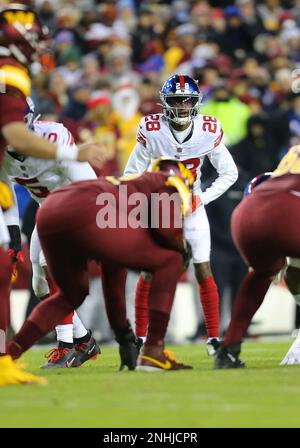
156, 138
40, 177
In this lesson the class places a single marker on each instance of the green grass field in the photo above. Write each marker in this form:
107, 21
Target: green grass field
96, 395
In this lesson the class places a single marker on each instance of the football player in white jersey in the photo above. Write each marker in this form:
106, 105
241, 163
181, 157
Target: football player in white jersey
40, 177
182, 133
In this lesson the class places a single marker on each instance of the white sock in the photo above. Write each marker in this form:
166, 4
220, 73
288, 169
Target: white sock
79, 329
143, 338
296, 343
64, 333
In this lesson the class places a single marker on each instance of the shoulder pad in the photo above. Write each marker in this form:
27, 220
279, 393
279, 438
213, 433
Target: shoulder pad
16, 77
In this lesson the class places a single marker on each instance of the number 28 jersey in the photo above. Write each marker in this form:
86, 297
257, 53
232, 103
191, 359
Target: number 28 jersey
157, 138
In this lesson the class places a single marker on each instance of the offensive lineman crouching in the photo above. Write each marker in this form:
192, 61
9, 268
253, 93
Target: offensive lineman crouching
264, 237
70, 236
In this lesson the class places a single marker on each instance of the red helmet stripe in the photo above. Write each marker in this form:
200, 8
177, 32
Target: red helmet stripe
182, 83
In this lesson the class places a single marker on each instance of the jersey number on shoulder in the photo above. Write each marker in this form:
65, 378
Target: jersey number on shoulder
152, 123
209, 124
38, 191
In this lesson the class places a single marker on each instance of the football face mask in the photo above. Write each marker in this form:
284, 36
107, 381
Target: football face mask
182, 109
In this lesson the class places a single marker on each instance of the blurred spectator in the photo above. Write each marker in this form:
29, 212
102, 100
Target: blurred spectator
76, 108
259, 151
232, 113
126, 102
149, 97
90, 70
100, 127
269, 11
180, 50
65, 47
252, 22
119, 69
58, 91
40, 94
236, 41
47, 13
143, 35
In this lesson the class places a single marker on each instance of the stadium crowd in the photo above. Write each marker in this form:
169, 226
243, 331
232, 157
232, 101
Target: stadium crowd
108, 60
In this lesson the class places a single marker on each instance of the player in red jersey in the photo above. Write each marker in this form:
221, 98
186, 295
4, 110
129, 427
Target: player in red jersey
10, 372
20, 35
74, 226
265, 229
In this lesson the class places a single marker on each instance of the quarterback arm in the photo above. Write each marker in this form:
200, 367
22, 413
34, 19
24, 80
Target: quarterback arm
73, 170
138, 161
227, 171
27, 143
76, 171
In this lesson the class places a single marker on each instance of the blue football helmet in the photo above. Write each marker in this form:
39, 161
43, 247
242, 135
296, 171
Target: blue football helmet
29, 112
181, 98
257, 180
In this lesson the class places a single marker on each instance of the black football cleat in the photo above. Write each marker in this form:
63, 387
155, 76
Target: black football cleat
227, 357
87, 350
61, 358
128, 348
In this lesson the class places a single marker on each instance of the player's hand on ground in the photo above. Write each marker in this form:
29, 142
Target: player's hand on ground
293, 355
93, 153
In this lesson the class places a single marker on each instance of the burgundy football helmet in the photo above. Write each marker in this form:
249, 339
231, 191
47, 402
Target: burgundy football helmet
20, 33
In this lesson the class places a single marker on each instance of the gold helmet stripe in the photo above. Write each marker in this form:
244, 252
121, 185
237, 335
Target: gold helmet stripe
183, 190
15, 77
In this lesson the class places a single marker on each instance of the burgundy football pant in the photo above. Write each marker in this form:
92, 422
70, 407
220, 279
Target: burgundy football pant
265, 231
68, 244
